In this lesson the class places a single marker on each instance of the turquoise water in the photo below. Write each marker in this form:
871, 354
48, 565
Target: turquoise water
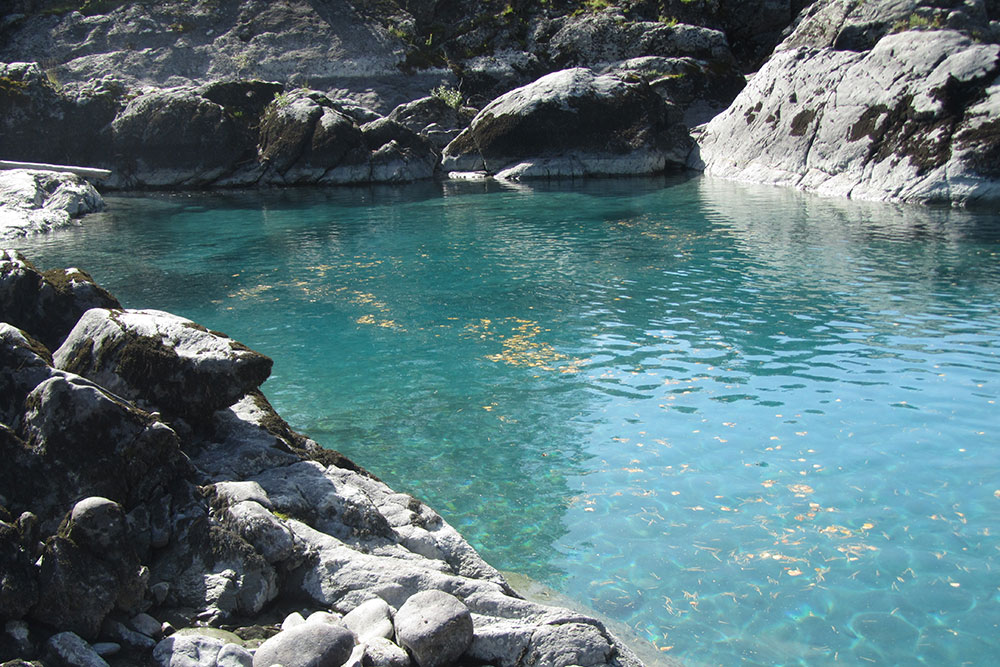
755, 426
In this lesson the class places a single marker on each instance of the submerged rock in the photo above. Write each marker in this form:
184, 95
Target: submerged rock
572, 123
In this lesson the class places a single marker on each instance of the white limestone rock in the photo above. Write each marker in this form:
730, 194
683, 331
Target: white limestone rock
908, 120
37, 201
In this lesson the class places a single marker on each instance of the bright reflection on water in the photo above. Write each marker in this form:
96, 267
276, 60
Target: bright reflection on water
753, 425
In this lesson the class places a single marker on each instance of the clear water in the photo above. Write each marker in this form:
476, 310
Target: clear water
753, 425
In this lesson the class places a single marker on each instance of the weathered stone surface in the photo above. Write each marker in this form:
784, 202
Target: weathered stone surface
605, 37
18, 575
398, 153
188, 650
25, 363
174, 137
380, 652
435, 627
913, 119
46, 305
572, 123
36, 201
262, 529
307, 645
210, 568
69, 650
162, 361
304, 138
370, 619
433, 119
567, 644
233, 655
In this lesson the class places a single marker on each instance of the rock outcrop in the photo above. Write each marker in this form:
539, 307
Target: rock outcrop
861, 103
36, 201
572, 123
147, 480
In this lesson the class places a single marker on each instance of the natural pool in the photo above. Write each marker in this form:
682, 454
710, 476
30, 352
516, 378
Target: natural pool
755, 426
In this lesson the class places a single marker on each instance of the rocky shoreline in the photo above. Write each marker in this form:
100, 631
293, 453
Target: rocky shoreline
149, 487
882, 100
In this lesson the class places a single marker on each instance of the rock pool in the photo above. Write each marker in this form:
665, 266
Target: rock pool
753, 425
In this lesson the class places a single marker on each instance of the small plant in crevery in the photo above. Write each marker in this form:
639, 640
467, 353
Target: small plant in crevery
450, 96
281, 100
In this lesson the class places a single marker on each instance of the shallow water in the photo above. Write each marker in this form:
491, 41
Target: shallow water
754, 425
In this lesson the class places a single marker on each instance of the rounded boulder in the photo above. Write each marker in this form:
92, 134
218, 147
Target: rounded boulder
435, 627
315, 644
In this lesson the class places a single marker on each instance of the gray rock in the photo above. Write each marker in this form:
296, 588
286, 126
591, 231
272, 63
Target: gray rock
370, 619
910, 120
435, 627
294, 619
146, 624
95, 444
105, 649
398, 153
19, 637
78, 588
304, 138
69, 650
233, 655
117, 631
307, 645
214, 570
162, 361
380, 652
262, 529
98, 524
567, 644
188, 650
232, 493
174, 137
46, 305
572, 123
433, 119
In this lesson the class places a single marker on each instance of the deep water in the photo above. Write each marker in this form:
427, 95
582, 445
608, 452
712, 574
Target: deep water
754, 425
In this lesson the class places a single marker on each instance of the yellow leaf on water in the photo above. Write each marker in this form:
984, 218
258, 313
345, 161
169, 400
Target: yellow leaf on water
867, 526
768, 483
997, 493
794, 573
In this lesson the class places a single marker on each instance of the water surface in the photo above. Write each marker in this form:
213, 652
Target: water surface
756, 426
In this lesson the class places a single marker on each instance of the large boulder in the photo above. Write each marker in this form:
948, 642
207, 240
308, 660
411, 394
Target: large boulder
46, 305
90, 442
175, 138
912, 119
41, 121
310, 644
305, 139
433, 118
88, 569
162, 361
572, 123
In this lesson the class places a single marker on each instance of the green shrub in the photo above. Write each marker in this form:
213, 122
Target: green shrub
450, 96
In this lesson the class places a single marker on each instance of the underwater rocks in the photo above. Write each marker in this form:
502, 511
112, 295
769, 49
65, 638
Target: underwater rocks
572, 123
149, 486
